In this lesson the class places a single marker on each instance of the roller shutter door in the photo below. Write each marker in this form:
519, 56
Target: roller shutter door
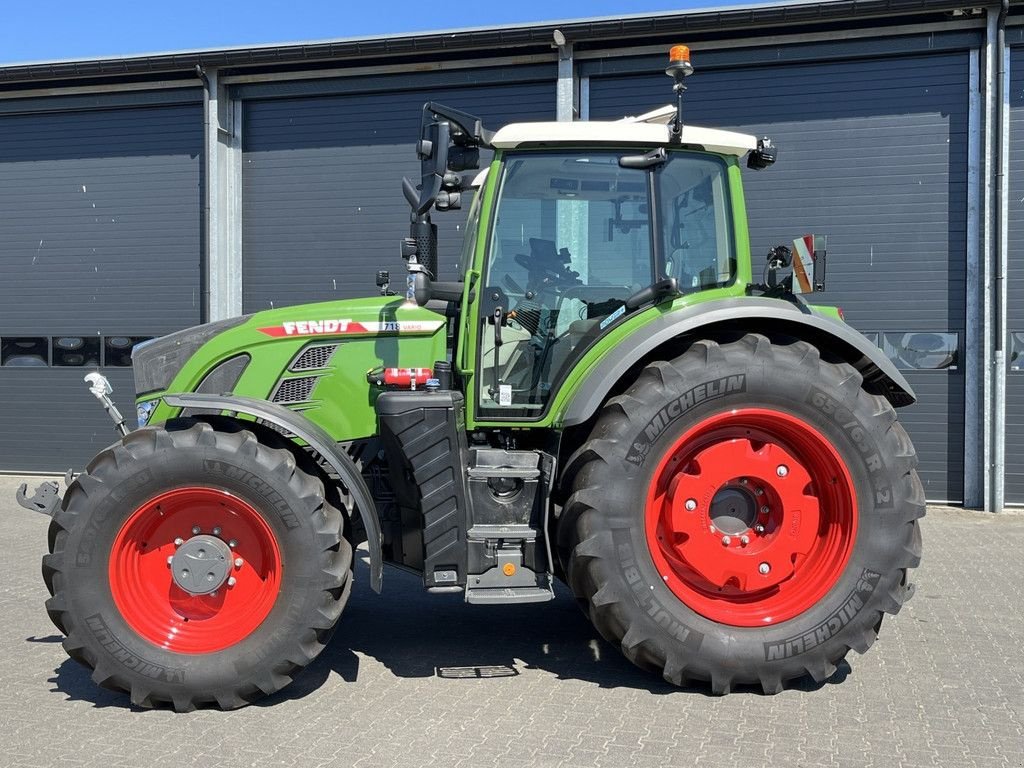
1015, 288
100, 245
322, 203
873, 153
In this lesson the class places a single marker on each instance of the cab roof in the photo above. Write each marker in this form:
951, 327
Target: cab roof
649, 129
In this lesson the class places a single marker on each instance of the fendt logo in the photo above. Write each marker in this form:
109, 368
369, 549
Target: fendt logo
313, 328
343, 327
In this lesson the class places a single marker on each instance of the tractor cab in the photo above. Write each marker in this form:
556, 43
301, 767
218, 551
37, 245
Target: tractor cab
576, 226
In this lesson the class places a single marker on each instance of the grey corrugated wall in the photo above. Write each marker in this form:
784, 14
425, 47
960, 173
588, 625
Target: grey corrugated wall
99, 234
1015, 286
322, 203
873, 153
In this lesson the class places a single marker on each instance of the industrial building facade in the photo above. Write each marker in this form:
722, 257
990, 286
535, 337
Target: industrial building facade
141, 195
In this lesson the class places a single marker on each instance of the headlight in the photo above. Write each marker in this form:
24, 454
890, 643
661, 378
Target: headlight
145, 410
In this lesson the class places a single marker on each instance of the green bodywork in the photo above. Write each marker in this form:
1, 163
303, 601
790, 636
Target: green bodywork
342, 402
342, 399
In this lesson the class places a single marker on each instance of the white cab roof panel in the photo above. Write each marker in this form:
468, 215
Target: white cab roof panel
649, 129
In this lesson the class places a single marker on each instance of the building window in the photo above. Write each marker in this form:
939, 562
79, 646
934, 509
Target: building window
68, 351
117, 350
871, 336
25, 352
1017, 351
923, 351
75, 350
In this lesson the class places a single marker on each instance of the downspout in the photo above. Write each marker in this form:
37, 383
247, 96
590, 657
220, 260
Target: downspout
204, 225
1000, 255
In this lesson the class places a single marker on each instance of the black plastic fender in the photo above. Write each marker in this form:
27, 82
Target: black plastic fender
316, 438
752, 314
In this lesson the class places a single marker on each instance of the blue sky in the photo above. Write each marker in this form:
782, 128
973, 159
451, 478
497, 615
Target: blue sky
45, 30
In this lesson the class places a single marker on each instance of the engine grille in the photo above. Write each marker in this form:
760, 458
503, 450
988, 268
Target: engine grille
295, 390
314, 357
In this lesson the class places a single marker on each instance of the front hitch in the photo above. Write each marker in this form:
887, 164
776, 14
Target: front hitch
46, 498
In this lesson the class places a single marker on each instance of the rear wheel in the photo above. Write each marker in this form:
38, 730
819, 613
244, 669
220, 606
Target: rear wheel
761, 521
196, 567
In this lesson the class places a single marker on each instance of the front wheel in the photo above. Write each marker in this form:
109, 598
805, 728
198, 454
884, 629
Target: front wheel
195, 566
744, 514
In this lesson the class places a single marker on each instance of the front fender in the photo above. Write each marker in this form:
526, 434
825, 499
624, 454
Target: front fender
747, 313
296, 424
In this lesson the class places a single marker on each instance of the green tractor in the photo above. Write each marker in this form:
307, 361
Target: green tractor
607, 396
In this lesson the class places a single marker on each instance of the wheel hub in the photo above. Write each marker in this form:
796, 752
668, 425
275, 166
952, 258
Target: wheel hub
733, 510
189, 591
201, 565
751, 517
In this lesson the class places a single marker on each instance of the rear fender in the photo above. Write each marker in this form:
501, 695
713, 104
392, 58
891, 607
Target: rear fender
708, 320
296, 424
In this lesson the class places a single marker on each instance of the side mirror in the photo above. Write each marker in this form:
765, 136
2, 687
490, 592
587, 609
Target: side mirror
764, 156
426, 289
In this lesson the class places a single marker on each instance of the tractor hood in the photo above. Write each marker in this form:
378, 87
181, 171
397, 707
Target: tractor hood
303, 357
156, 362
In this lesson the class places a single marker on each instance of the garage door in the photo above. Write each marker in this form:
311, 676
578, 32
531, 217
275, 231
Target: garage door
1015, 288
99, 242
873, 153
322, 202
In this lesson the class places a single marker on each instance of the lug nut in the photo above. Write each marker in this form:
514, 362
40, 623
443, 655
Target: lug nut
238, 562
169, 559
214, 593
744, 540
691, 504
764, 569
232, 543
216, 531
196, 530
782, 470
765, 510
743, 481
179, 541
232, 581
758, 528
726, 541
759, 491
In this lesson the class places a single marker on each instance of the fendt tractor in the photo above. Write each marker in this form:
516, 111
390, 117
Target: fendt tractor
606, 396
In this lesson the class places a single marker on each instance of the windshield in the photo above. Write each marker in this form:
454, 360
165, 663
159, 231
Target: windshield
573, 238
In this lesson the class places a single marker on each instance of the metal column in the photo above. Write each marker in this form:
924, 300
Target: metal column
995, 262
974, 416
223, 180
566, 90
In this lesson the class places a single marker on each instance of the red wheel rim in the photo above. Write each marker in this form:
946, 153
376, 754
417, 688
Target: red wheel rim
751, 517
163, 613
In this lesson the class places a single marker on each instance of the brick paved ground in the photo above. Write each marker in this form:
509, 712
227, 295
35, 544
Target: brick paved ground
943, 686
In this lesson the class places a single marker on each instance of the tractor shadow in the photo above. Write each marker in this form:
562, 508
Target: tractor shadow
417, 635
